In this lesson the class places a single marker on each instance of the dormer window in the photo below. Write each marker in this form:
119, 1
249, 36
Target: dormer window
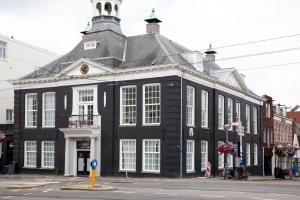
2, 50
90, 45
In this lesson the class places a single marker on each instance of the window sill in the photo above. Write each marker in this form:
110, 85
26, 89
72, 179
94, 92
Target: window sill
47, 168
191, 172
150, 172
127, 125
30, 127
129, 171
149, 125
206, 128
191, 126
28, 167
50, 127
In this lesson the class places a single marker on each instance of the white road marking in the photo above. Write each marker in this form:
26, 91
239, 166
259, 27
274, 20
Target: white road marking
283, 194
16, 190
27, 194
48, 190
7, 197
262, 199
125, 192
171, 194
210, 196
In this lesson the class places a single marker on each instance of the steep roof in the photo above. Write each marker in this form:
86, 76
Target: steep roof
117, 51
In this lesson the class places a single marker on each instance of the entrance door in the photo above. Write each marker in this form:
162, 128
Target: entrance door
83, 163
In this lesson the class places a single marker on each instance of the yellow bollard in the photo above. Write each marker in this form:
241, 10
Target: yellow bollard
93, 178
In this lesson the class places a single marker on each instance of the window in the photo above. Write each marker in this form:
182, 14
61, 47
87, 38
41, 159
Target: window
2, 50
238, 112
230, 158
128, 105
220, 156
9, 115
268, 108
255, 120
90, 45
247, 119
151, 157
48, 154
151, 96
230, 112
86, 106
49, 109
248, 154
204, 109
127, 155
221, 112
255, 154
204, 155
30, 154
31, 110
190, 106
190, 156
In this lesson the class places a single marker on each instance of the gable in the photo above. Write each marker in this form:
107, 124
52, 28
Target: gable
84, 67
232, 80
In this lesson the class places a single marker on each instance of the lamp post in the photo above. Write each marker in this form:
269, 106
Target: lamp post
226, 128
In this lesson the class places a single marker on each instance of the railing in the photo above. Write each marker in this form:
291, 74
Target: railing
84, 121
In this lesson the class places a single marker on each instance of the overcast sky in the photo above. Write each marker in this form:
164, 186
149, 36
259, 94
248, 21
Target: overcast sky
56, 24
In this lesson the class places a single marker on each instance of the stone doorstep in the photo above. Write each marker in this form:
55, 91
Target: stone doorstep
87, 187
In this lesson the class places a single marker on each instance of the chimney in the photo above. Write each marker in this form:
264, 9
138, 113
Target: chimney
210, 54
153, 23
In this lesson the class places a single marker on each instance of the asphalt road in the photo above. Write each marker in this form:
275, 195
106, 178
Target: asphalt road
144, 189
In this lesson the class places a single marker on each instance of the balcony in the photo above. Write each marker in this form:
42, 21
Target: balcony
84, 122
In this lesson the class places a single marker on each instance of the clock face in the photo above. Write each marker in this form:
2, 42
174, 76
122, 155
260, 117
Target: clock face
84, 69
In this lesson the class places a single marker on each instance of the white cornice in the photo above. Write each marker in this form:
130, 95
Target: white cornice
136, 74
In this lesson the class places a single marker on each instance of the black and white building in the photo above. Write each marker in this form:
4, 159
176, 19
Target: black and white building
142, 105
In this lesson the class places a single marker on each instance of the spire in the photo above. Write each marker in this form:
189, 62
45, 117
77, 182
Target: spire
153, 23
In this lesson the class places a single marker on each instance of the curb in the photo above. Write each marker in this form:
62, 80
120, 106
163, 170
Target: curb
87, 187
25, 186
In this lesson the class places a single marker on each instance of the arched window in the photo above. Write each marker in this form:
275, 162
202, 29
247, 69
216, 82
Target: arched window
116, 10
108, 8
99, 8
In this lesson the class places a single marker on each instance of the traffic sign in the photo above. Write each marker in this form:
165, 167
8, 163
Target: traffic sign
94, 164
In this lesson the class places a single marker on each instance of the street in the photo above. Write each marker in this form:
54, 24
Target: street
152, 189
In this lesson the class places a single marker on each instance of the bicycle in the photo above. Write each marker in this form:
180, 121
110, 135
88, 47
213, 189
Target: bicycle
241, 173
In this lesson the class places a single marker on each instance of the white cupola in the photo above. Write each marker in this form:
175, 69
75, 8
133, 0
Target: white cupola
106, 7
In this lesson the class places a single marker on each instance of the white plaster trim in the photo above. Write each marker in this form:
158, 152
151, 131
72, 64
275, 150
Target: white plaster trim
136, 74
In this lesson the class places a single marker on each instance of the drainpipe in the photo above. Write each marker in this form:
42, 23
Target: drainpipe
181, 124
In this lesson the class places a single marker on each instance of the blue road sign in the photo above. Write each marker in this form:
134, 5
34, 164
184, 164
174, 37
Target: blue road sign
94, 164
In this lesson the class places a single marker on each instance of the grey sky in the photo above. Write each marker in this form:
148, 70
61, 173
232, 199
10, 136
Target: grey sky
55, 25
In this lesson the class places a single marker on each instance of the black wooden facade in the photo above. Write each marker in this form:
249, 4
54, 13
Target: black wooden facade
168, 131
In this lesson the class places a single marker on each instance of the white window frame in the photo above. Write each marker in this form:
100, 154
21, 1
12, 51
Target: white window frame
204, 109
230, 158
10, 116
248, 118
238, 111
49, 110
90, 45
144, 156
221, 157
26, 110
204, 155
221, 112
248, 154
76, 103
26, 156
132, 106
3, 48
255, 131
156, 104
190, 106
44, 156
192, 154
230, 112
255, 154
127, 152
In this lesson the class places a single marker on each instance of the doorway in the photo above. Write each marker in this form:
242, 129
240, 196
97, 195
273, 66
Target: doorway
83, 163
